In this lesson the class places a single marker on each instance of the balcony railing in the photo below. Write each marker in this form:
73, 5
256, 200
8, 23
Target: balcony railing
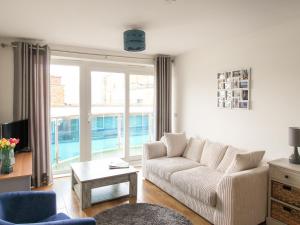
107, 134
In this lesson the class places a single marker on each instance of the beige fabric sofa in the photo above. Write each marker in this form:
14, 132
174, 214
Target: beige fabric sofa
223, 199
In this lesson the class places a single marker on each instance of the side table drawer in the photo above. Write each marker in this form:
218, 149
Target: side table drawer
285, 176
285, 193
285, 214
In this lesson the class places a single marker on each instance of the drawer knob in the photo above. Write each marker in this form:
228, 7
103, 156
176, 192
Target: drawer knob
286, 176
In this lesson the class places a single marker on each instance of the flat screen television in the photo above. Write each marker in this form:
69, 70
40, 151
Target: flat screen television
16, 129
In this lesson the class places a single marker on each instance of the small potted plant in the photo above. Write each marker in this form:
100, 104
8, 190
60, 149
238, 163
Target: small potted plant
6, 147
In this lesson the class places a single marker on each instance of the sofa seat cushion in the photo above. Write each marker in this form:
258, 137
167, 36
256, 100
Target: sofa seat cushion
200, 183
164, 167
57, 217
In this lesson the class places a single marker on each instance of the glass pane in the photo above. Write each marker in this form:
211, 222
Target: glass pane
64, 92
141, 112
107, 123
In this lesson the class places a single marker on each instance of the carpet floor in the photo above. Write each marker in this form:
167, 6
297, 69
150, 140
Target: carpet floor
140, 214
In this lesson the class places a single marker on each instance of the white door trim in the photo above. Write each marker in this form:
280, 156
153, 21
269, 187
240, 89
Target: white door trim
85, 99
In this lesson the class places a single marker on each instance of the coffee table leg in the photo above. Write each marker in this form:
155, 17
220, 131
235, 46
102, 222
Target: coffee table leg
73, 181
86, 195
133, 185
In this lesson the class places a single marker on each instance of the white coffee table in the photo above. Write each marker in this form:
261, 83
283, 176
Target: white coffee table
94, 174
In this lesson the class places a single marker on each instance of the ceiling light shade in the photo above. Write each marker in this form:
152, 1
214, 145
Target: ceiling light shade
134, 40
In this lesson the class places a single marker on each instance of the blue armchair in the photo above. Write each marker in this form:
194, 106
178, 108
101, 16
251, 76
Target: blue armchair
34, 208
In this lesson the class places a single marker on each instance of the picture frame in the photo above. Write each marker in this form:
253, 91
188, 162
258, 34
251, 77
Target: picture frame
235, 84
243, 84
234, 89
244, 96
243, 105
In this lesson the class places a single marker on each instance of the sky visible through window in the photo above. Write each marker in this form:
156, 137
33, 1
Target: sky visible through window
69, 80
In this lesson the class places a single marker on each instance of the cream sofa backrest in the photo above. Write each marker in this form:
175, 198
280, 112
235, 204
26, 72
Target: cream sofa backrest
212, 154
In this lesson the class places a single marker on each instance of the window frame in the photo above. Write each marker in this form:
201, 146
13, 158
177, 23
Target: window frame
85, 69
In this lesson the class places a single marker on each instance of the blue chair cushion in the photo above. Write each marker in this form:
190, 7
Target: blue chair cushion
57, 217
27, 206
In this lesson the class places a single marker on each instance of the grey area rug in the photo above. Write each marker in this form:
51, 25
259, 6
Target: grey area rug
140, 214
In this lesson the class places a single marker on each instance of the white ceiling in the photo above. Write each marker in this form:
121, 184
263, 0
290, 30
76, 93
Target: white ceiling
172, 27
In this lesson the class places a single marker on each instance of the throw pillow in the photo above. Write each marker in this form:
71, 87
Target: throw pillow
228, 158
245, 161
212, 154
176, 143
163, 140
194, 149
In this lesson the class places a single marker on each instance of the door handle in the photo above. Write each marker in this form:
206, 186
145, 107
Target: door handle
90, 117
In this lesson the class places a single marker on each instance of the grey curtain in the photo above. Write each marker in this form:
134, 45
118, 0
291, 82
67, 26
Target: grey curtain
31, 100
163, 67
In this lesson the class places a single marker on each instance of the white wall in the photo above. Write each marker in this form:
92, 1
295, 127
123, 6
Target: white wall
6, 84
274, 56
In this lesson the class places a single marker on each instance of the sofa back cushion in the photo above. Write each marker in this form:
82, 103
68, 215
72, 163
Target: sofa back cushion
228, 158
194, 149
212, 154
154, 150
245, 161
176, 143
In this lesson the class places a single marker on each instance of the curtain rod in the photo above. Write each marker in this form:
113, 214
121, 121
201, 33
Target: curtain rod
98, 54
4, 45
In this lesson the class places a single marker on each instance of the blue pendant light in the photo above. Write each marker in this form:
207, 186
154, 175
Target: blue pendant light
134, 40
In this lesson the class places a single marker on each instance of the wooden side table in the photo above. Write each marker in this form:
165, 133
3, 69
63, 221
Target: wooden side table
284, 193
20, 178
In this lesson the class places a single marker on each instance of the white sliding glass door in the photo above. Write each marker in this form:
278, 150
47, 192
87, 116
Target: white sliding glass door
107, 114
99, 111
141, 118
64, 113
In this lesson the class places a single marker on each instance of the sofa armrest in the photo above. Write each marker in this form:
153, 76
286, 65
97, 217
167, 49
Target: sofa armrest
81, 221
154, 150
242, 198
2, 222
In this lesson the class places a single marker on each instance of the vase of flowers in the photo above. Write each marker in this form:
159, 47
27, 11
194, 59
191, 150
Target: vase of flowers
6, 148
0, 161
